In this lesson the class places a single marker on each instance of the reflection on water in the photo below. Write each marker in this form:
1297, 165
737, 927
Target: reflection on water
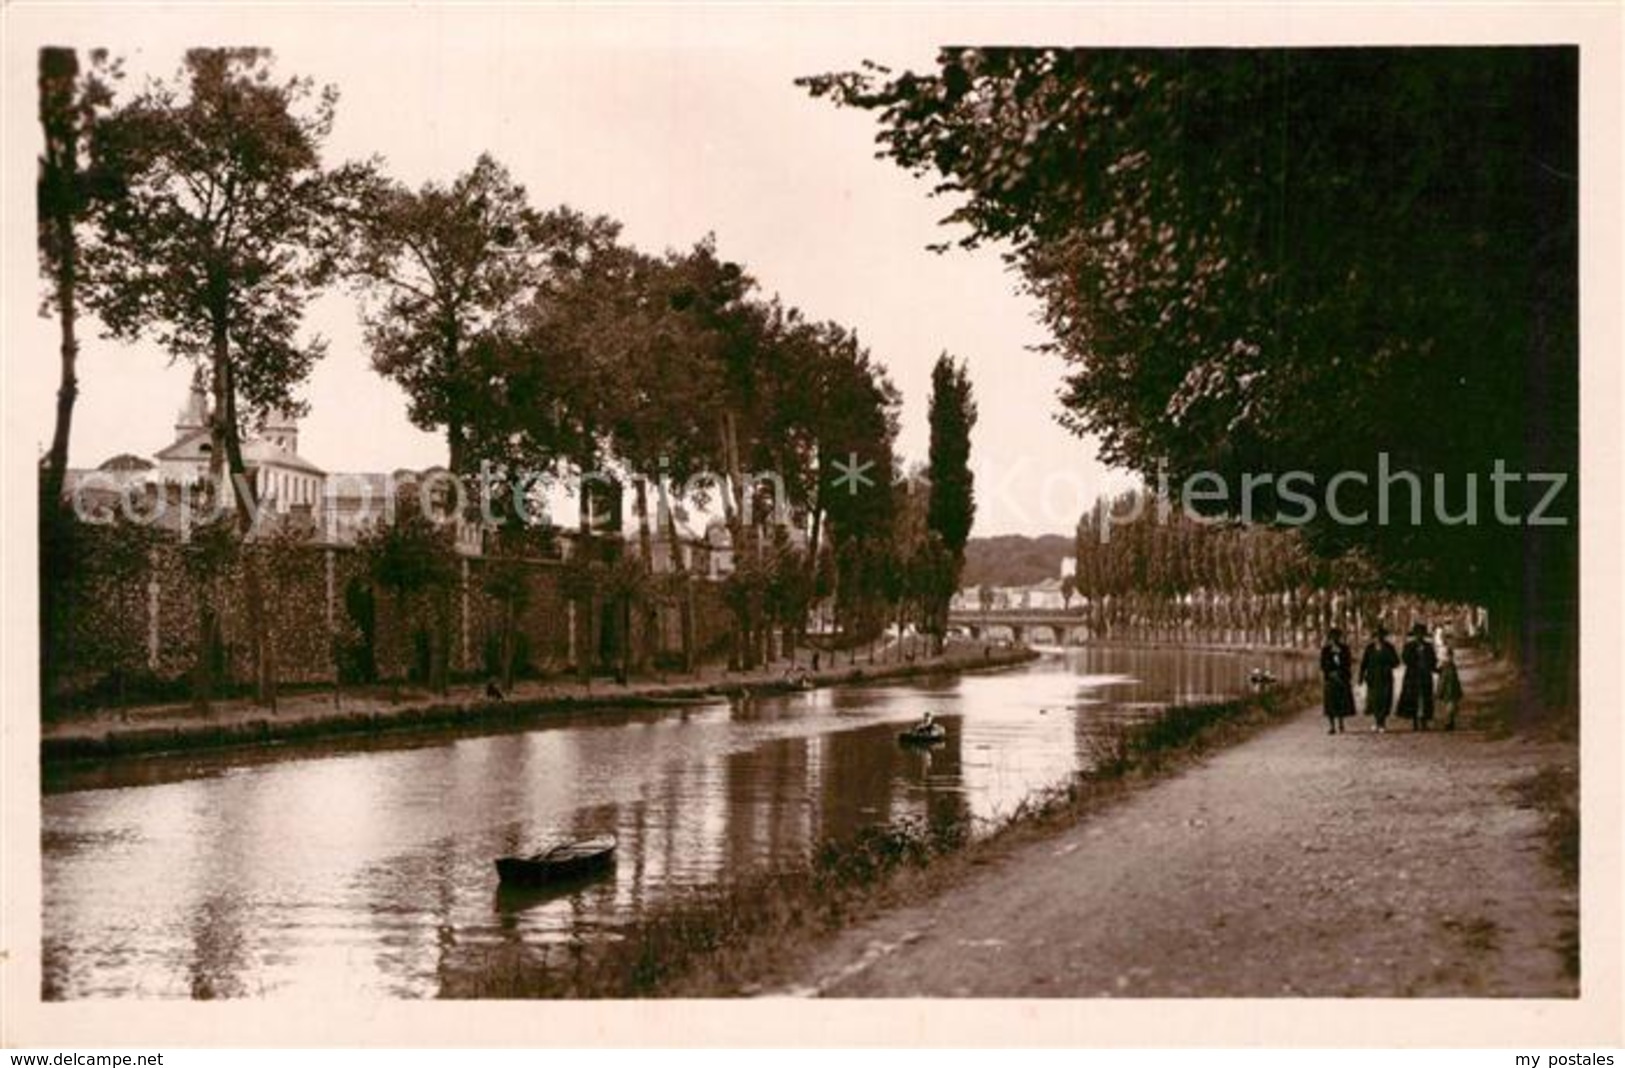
365, 867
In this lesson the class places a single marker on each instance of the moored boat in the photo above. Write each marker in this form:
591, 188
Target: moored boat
568, 860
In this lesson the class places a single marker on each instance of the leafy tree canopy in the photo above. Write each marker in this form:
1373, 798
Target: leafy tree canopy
1254, 260
229, 226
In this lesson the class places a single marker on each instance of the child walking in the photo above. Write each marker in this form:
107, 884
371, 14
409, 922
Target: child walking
1449, 688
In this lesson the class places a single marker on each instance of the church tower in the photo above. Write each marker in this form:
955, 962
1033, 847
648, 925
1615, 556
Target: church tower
195, 415
281, 430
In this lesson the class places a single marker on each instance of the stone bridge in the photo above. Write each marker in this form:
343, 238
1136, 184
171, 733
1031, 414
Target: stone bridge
1042, 626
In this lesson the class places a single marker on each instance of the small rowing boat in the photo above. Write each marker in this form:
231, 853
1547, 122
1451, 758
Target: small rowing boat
925, 734
568, 860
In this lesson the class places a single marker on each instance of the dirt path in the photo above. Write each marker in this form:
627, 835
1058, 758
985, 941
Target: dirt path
1296, 864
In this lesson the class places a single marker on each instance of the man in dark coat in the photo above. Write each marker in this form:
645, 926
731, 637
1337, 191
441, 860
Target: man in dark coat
1336, 671
1377, 666
1416, 690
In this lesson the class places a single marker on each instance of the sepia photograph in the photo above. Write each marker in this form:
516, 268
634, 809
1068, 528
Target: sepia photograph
740, 508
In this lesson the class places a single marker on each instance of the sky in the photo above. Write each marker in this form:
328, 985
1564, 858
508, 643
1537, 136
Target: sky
676, 125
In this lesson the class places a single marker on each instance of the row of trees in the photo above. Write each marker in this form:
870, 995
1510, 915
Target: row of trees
1131, 542
200, 213
1311, 256
1159, 571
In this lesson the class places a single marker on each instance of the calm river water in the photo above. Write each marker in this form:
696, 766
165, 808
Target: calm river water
363, 867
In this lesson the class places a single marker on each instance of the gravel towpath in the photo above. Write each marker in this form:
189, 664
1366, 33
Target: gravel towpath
1294, 864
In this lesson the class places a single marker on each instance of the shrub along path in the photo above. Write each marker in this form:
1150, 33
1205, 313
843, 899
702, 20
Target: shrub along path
1294, 864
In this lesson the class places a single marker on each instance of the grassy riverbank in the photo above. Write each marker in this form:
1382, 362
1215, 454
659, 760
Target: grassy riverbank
731, 938
111, 733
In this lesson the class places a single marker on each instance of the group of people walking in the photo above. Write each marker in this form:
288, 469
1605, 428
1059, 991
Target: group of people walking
1417, 690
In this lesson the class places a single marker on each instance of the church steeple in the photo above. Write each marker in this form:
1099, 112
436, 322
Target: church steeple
195, 415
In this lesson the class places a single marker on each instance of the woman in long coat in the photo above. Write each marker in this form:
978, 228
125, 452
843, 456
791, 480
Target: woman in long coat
1377, 666
1336, 672
1416, 689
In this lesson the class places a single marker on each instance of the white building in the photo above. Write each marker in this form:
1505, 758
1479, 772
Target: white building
283, 480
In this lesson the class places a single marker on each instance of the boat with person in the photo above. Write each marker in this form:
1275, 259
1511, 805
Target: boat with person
567, 860
798, 680
926, 732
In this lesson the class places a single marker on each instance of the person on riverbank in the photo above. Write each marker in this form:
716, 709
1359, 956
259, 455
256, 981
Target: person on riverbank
1449, 688
1377, 666
1416, 690
1337, 690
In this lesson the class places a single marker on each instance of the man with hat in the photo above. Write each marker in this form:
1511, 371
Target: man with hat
1416, 690
1377, 666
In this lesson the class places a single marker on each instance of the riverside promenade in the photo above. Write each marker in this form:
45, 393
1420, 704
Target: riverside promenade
115, 732
1405, 864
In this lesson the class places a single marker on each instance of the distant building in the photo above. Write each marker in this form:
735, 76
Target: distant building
186, 460
286, 484
720, 550
1044, 596
341, 507
353, 501
283, 480
100, 489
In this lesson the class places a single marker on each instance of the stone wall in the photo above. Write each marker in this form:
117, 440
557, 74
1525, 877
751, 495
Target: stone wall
136, 609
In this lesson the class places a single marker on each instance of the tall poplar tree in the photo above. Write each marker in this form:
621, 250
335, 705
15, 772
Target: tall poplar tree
951, 509
71, 183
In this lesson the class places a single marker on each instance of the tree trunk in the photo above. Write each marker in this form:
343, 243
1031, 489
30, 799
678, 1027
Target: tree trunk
685, 600
456, 447
646, 548
815, 536
59, 83
53, 526
509, 625
585, 624
733, 502
626, 638
443, 640
59, 206
68, 386
228, 459
401, 618
595, 632
456, 432
203, 667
